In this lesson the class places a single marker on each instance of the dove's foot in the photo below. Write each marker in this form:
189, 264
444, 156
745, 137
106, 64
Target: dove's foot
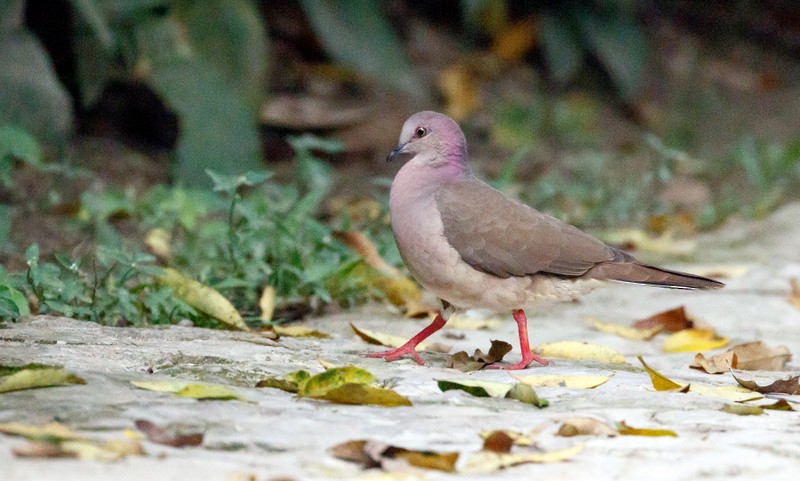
410, 346
526, 360
524, 345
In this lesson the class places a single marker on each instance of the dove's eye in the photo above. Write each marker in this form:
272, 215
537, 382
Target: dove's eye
421, 132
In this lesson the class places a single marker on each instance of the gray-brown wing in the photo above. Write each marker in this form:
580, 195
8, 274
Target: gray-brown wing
501, 236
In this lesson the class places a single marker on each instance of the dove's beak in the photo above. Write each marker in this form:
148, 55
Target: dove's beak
395, 152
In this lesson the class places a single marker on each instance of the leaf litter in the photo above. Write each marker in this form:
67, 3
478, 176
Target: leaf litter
730, 393
479, 359
751, 356
55, 440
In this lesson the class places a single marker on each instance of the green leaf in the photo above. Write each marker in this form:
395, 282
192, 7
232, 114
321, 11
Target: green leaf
356, 34
18, 144
13, 303
38, 378
6, 218
476, 388
230, 36
331, 379
525, 394
231, 183
31, 96
361, 394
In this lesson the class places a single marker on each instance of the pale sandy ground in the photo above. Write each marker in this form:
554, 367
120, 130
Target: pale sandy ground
280, 436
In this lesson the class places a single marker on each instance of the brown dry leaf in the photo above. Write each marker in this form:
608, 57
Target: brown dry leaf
572, 382
626, 430
689, 340
580, 350
517, 437
790, 385
459, 87
626, 332
751, 356
498, 442
794, 295
160, 435
202, 298
383, 339
373, 454
515, 40
487, 461
673, 320
580, 425
479, 360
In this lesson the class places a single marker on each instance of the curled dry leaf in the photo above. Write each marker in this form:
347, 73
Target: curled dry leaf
518, 438
689, 340
36, 376
580, 350
581, 425
374, 454
498, 442
160, 435
626, 430
790, 385
202, 298
672, 320
626, 332
479, 360
572, 382
752, 356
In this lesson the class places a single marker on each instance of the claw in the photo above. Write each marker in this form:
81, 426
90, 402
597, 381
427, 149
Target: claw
395, 354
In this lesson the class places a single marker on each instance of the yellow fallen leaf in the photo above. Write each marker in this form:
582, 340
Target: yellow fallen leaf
660, 381
38, 377
742, 409
689, 340
488, 461
319, 384
190, 389
299, 331
202, 298
383, 339
267, 303
626, 430
103, 451
572, 382
626, 332
159, 241
470, 323
50, 431
580, 350
362, 394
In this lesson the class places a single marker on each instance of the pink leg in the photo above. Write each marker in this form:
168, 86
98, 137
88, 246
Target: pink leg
409, 347
527, 356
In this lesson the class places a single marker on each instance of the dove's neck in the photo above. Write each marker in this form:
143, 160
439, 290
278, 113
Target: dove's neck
420, 178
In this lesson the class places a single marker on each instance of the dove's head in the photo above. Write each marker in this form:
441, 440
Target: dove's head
431, 139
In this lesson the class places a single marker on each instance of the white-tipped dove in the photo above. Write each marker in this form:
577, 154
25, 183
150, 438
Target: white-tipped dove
474, 247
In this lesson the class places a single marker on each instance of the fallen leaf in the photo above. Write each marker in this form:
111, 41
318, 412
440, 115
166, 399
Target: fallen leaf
299, 331
572, 382
487, 461
158, 241
383, 339
325, 364
790, 385
626, 332
672, 320
689, 340
37, 377
626, 430
320, 384
660, 381
361, 394
636, 239
44, 432
373, 454
498, 442
742, 409
794, 295
159, 435
471, 323
520, 392
479, 360
267, 303
779, 405
517, 437
191, 390
42, 450
752, 356
56, 440
580, 425
580, 350
525, 394
202, 298
103, 451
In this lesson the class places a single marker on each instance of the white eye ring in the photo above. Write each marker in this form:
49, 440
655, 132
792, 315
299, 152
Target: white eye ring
421, 132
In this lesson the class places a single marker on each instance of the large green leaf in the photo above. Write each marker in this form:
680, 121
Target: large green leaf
356, 34
30, 94
230, 36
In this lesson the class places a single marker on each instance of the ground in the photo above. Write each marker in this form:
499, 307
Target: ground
278, 436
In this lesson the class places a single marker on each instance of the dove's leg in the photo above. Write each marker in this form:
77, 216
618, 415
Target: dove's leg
410, 346
527, 356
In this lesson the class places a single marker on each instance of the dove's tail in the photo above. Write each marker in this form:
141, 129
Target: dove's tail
639, 273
